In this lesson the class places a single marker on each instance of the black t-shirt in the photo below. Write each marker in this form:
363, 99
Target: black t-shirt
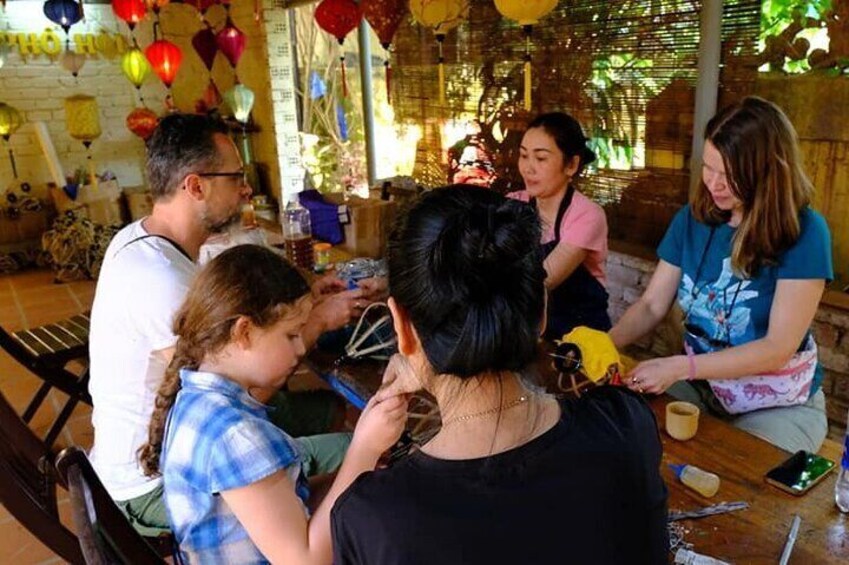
586, 491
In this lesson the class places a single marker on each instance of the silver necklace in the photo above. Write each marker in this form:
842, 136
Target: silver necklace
521, 400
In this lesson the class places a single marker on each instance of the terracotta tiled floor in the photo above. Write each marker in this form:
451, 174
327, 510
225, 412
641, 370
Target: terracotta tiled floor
31, 299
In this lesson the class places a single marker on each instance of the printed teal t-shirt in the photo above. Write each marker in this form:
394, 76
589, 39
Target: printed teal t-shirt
723, 309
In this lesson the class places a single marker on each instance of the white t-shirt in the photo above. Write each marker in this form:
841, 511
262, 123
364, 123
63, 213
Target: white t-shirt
141, 286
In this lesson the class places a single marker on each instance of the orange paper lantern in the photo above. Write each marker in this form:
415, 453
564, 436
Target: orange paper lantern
142, 122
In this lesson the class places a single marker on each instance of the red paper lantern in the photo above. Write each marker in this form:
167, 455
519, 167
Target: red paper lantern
231, 42
131, 11
165, 58
385, 16
206, 46
338, 17
142, 122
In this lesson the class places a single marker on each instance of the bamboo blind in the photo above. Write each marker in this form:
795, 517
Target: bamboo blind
626, 70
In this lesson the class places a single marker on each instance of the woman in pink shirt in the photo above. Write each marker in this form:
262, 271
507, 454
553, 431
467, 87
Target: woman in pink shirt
574, 242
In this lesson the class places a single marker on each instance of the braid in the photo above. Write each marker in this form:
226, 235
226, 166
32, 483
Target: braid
148, 454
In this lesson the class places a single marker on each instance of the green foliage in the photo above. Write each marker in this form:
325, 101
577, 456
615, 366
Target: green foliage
778, 14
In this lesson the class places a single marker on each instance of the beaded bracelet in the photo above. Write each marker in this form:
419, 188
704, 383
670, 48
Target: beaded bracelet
691, 360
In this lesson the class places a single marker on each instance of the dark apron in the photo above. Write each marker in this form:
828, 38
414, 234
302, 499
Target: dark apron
580, 300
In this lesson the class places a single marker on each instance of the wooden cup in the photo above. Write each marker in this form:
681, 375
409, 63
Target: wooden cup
682, 420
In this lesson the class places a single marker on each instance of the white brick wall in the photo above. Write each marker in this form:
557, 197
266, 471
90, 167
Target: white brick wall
37, 86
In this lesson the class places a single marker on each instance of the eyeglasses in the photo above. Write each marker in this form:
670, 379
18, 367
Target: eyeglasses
240, 174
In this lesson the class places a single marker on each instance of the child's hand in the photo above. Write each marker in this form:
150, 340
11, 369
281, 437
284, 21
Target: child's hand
380, 425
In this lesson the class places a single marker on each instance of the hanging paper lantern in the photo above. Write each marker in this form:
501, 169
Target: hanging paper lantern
131, 11
240, 98
135, 66
156, 5
442, 16
73, 61
63, 12
142, 122
384, 16
206, 46
10, 121
83, 120
339, 18
165, 59
231, 42
83, 117
526, 13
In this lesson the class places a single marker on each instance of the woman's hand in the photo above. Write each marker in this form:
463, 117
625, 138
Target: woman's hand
656, 375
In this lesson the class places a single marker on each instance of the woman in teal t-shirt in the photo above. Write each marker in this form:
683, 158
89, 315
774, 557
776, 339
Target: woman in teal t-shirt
748, 261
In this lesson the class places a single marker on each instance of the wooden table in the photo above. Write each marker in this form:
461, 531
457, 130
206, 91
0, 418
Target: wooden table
756, 535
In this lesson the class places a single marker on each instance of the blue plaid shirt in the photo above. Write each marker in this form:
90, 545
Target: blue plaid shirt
219, 438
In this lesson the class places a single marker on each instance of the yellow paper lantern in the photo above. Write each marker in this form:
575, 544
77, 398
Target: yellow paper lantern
135, 66
442, 16
83, 120
526, 13
10, 121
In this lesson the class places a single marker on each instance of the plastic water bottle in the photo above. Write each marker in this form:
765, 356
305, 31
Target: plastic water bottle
841, 488
297, 234
704, 483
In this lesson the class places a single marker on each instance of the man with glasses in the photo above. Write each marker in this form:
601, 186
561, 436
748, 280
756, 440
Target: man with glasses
198, 185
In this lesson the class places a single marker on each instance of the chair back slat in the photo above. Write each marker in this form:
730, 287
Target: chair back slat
46, 351
27, 485
106, 536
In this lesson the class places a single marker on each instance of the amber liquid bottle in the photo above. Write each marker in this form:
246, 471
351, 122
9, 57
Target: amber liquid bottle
297, 234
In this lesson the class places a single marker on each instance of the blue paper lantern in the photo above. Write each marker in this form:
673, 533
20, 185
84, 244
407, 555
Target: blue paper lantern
63, 12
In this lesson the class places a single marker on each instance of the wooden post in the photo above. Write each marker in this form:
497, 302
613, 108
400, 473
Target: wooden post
363, 42
707, 85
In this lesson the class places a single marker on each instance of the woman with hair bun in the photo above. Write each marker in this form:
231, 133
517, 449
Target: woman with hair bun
574, 241
467, 296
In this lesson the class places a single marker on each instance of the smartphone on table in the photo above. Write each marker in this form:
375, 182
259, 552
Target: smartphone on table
800, 472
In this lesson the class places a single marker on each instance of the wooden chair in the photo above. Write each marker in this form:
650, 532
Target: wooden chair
46, 350
105, 534
28, 487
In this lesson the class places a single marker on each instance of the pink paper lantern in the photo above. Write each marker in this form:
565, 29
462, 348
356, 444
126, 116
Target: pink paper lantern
231, 41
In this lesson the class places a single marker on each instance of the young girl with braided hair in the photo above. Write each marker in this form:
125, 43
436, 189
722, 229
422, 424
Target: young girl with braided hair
234, 488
